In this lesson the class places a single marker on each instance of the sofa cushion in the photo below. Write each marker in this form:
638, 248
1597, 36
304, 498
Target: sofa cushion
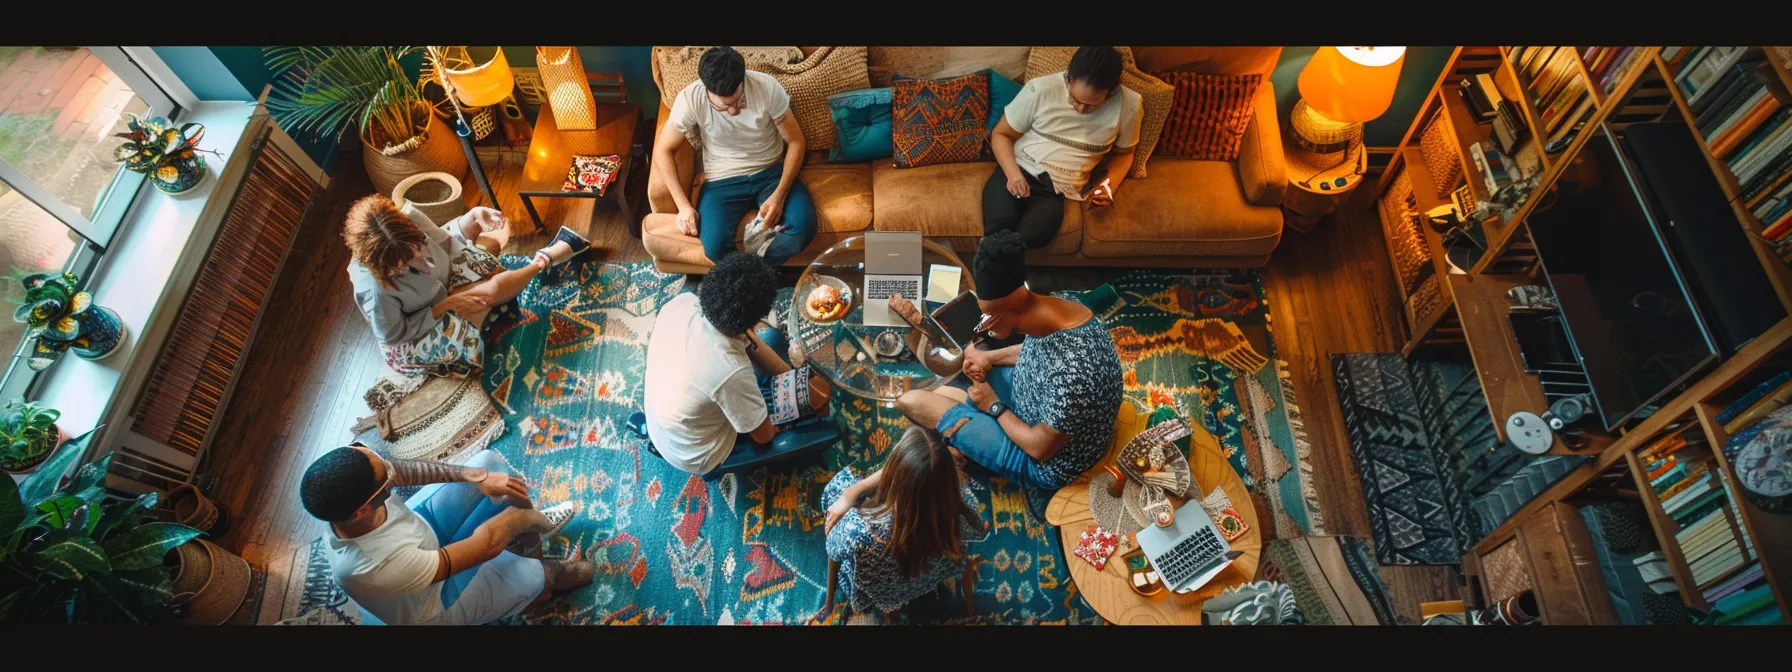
1209, 115
942, 200
1002, 91
939, 120
861, 125
1211, 60
842, 194
1156, 96
1189, 207
937, 62
809, 79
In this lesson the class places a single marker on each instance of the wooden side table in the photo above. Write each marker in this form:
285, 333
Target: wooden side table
1304, 205
550, 158
1109, 590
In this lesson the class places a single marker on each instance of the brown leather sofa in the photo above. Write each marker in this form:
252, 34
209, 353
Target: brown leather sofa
1184, 213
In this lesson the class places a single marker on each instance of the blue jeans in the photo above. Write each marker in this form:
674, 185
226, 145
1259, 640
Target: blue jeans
801, 437
983, 441
724, 202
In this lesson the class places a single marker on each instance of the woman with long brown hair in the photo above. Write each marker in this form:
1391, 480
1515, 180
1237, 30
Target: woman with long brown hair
901, 531
426, 290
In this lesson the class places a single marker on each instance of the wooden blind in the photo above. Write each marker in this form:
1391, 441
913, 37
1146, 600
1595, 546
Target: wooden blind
211, 334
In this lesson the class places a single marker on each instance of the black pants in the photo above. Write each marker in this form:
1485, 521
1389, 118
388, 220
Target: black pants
1037, 217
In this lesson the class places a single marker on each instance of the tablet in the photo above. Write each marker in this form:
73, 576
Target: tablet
958, 318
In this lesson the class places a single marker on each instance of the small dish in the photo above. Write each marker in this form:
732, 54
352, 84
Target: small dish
840, 313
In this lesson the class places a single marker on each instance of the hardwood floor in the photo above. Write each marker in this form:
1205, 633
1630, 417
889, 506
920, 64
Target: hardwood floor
1330, 291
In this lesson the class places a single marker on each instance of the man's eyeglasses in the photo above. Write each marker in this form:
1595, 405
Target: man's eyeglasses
738, 104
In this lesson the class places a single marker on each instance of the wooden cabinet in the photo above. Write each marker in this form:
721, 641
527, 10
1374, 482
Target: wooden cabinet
1550, 553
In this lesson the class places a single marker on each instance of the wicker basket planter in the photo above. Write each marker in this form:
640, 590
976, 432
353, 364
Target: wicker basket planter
435, 150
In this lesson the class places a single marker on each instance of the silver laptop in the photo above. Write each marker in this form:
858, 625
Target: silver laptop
892, 266
1188, 553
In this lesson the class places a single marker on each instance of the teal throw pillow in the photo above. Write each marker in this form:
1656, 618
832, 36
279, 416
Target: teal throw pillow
1002, 91
861, 125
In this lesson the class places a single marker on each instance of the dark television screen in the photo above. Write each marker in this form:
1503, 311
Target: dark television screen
1631, 321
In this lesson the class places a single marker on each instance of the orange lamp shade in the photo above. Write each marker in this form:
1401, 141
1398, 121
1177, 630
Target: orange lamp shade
1351, 84
568, 91
479, 82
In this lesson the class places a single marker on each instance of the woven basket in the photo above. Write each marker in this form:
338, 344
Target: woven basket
436, 195
209, 583
193, 509
436, 150
1437, 147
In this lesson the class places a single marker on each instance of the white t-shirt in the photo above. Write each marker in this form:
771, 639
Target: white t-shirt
737, 145
1066, 144
701, 391
391, 571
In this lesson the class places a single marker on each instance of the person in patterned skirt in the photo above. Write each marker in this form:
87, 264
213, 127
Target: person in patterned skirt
426, 290
1039, 413
900, 531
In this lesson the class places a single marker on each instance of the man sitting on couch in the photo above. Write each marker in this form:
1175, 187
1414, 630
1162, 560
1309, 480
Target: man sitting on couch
721, 394
752, 149
1052, 137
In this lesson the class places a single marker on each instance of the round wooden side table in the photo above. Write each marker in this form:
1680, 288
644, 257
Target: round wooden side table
1109, 589
1313, 192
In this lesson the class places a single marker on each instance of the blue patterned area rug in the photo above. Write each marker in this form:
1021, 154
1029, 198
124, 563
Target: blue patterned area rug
566, 363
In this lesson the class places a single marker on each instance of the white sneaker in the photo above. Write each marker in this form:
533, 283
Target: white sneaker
559, 514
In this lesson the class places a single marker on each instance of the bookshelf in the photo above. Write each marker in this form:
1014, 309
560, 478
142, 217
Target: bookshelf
1471, 313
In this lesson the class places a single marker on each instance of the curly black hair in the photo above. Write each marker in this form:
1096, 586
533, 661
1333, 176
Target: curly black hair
1098, 67
1001, 265
722, 69
336, 484
737, 292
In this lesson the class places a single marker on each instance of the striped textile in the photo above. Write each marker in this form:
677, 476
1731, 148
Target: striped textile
1335, 579
1208, 115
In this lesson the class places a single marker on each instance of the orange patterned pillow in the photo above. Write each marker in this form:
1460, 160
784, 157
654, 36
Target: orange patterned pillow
1209, 115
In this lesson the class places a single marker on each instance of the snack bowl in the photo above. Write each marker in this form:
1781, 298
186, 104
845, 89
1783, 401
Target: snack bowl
846, 298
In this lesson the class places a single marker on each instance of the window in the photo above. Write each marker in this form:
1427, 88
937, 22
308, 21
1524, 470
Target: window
62, 195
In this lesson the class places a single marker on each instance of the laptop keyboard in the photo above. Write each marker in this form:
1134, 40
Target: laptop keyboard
1188, 556
882, 288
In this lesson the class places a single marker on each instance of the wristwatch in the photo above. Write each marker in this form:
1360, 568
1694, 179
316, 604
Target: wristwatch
997, 409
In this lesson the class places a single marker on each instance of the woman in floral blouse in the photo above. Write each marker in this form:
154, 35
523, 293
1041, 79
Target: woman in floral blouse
901, 531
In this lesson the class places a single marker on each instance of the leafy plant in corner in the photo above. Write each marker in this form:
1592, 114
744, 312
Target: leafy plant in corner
27, 434
71, 554
326, 90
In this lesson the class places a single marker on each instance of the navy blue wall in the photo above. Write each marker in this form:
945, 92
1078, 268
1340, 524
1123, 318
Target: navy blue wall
1417, 73
634, 63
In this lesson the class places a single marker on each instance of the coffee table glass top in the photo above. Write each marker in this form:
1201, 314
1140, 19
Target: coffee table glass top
846, 351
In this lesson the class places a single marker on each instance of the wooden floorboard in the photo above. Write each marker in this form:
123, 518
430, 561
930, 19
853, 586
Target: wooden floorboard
1330, 291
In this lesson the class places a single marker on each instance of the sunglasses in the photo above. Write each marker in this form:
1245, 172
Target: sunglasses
379, 497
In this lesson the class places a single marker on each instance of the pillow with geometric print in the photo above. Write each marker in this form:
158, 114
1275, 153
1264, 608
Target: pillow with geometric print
938, 120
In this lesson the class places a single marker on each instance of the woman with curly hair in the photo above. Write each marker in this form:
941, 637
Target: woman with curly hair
901, 531
715, 384
426, 290
1040, 413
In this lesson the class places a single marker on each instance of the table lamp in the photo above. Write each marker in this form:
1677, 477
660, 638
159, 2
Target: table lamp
568, 91
1340, 88
473, 83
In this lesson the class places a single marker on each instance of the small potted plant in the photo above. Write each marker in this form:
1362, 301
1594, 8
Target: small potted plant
170, 156
62, 318
28, 434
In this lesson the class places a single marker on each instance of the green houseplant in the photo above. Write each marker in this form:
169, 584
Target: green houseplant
169, 155
71, 554
325, 91
61, 318
28, 433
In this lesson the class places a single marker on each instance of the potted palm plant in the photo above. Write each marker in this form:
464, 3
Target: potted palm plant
28, 433
327, 90
72, 554
61, 318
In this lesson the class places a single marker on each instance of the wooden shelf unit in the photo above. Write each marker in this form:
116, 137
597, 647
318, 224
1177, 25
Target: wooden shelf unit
1477, 303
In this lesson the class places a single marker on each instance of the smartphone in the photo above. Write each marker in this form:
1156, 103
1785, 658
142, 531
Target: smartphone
959, 318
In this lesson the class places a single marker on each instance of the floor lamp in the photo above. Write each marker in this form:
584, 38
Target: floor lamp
479, 85
1340, 88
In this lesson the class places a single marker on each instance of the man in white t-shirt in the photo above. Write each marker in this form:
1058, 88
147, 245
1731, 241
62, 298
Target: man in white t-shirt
1052, 137
446, 556
717, 388
752, 150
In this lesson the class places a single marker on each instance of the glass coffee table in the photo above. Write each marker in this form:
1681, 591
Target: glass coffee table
847, 352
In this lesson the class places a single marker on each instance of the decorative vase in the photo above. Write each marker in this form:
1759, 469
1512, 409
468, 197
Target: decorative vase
177, 175
435, 150
436, 195
104, 332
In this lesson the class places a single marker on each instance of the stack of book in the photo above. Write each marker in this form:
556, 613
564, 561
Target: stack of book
1693, 493
1744, 599
1609, 65
1742, 110
1742, 596
1558, 90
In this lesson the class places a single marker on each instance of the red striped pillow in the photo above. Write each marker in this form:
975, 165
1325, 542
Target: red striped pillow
1209, 114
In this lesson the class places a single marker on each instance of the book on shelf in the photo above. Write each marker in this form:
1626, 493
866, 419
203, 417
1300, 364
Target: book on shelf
1570, 96
1602, 59
1759, 392
1739, 581
1734, 78
1705, 504
1727, 137
1621, 65
1694, 56
1698, 80
1534, 62
1715, 534
1759, 138
1686, 492
1782, 226
1662, 447
1580, 113
1717, 565
1768, 154
1697, 530
1677, 473
1656, 571
1555, 73
1743, 603
1767, 186
1760, 409
1769, 615
1674, 55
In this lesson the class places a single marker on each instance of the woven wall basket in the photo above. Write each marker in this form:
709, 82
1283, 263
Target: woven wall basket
437, 150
